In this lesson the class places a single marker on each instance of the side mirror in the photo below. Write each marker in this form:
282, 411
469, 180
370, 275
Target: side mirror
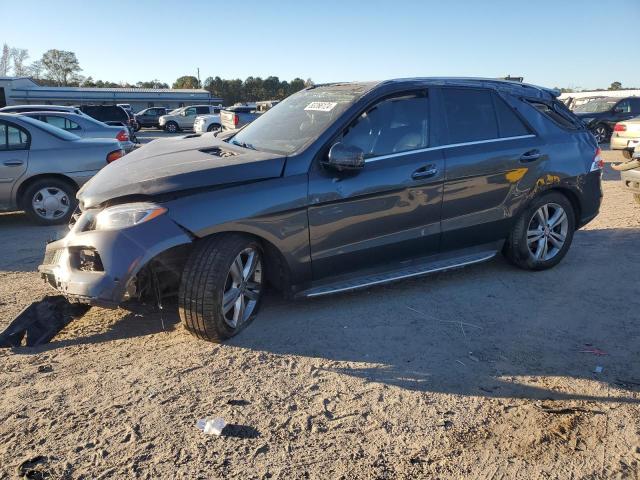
344, 157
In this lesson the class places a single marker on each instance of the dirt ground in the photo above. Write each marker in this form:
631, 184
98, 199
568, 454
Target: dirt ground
477, 373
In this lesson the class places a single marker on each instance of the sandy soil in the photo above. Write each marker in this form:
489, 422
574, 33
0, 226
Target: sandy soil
477, 373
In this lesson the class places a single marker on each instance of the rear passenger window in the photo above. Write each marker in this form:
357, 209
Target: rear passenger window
394, 125
470, 115
202, 110
13, 138
509, 124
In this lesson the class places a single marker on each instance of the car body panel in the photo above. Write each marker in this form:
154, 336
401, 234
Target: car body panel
150, 117
179, 164
628, 138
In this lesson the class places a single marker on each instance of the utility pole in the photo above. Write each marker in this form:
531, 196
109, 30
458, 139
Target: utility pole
199, 84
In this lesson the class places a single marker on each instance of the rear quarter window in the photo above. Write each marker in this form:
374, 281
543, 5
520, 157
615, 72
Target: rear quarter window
558, 113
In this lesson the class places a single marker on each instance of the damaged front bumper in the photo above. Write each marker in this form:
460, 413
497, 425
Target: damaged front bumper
97, 267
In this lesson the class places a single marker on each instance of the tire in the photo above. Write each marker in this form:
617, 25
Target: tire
57, 200
208, 278
171, 127
636, 196
524, 247
213, 127
601, 132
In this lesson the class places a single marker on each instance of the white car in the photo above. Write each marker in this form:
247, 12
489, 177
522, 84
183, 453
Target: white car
207, 123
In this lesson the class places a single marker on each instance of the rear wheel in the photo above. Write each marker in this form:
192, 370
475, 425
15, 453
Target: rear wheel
49, 201
601, 132
542, 234
221, 287
214, 127
171, 127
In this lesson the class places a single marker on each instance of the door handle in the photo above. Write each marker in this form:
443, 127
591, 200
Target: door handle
530, 156
13, 163
424, 172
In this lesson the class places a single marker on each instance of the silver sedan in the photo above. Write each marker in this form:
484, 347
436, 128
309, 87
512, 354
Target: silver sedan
42, 167
84, 126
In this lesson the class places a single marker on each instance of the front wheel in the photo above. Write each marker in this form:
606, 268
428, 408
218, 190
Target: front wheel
221, 286
542, 234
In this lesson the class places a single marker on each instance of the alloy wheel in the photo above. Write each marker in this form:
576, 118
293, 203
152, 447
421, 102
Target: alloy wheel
243, 287
51, 203
600, 133
547, 231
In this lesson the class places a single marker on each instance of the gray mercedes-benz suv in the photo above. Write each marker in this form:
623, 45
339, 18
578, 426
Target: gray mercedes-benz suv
338, 187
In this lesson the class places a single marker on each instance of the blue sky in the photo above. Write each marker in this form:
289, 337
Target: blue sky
582, 43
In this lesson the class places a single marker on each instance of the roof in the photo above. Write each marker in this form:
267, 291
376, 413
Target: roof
515, 87
122, 90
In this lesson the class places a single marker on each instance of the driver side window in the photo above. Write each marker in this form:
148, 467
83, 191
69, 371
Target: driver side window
189, 112
394, 125
624, 107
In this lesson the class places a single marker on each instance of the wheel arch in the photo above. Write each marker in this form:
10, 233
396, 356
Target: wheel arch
567, 192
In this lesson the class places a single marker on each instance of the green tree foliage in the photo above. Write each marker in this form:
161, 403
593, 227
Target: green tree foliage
253, 88
187, 81
615, 86
60, 66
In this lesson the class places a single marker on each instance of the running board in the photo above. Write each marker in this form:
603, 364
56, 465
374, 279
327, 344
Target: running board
399, 274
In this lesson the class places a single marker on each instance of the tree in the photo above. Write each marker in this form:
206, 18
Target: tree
155, 83
187, 81
616, 86
60, 66
19, 56
5, 61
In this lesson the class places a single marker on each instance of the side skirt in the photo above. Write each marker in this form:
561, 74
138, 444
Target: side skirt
416, 269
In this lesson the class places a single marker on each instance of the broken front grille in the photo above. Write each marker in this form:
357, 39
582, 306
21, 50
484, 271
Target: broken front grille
51, 257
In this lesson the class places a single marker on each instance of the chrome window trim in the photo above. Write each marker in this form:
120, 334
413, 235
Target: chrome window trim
450, 145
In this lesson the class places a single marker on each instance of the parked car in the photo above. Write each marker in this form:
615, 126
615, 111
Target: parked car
626, 135
42, 166
84, 126
207, 123
341, 186
185, 117
233, 118
602, 114
40, 108
111, 115
150, 117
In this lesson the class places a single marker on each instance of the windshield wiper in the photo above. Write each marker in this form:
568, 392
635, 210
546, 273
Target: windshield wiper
243, 145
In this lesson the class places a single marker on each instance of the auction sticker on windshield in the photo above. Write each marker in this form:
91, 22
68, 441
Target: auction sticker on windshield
321, 106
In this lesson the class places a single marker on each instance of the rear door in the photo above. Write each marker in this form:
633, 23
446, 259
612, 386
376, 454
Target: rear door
488, 150
389, 211
14, 157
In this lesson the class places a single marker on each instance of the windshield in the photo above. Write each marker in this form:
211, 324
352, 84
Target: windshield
298, 120
55, 131
595, 106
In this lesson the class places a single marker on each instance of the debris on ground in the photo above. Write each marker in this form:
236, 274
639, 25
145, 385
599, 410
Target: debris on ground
211, 426
41, 321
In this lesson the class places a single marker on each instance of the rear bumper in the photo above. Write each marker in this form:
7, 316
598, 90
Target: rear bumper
122, 254
620, 143
631, 180
590, 198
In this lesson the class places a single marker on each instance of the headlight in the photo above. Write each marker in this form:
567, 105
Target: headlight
127, 215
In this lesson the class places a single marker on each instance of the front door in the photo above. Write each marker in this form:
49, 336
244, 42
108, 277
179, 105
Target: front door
14, 156
388, 211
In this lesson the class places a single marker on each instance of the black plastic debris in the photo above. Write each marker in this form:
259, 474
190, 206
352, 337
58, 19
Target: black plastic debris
41, 321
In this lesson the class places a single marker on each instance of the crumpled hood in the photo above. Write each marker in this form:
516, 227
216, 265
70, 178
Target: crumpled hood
179, 163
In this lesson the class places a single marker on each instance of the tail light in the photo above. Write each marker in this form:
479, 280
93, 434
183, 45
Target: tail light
620, 128
115, 155
598, 162
122, 136
236, 119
